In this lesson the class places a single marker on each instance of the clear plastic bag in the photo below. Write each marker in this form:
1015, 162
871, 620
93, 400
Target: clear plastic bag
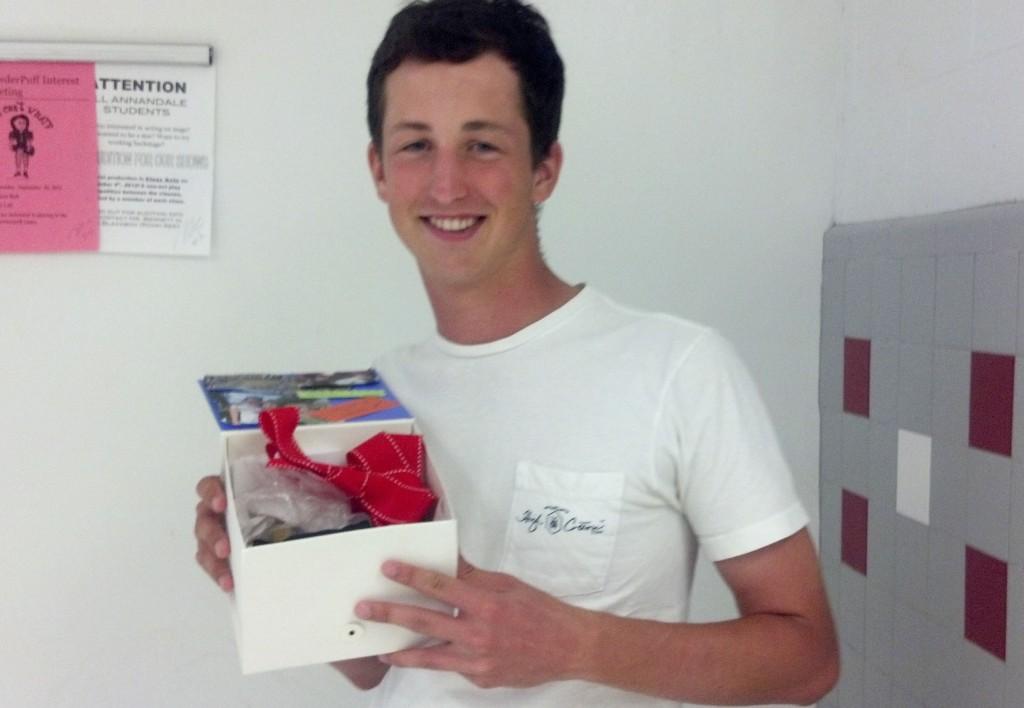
278, 498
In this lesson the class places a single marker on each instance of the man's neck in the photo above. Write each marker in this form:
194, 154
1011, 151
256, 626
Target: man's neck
486, 314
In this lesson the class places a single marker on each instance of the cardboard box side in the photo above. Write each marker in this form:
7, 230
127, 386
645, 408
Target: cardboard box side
294, 601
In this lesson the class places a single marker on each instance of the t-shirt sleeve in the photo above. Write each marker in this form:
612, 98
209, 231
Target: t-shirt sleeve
734, 486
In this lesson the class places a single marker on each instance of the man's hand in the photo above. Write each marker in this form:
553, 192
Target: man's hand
507, 633
211, 539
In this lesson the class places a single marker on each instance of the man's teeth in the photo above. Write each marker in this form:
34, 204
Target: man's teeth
450, 224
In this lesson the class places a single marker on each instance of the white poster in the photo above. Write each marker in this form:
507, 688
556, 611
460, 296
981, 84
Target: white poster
155, 124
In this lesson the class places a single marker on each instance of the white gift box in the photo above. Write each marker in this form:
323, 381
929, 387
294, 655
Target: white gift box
294, 601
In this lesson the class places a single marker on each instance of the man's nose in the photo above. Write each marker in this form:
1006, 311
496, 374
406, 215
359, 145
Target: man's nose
448, 181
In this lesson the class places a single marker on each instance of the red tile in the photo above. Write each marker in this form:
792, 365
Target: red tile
855, 531
991, 426
985, 602
857, 376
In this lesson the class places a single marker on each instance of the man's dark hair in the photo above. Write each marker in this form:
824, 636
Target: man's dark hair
461, 30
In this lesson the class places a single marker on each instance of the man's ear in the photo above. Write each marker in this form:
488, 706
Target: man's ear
545, 174
377, 171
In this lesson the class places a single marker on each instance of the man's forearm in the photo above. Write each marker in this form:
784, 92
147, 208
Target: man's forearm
364, 673
754, 659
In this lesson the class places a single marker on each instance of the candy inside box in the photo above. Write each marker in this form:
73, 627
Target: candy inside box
293, 602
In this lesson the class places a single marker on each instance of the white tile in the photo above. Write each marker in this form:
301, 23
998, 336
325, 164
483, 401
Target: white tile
913, 475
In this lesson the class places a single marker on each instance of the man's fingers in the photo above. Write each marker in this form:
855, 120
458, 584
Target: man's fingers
210, 532
418, 619
465, 567
211, 493
217, 569
438, 658
432, 584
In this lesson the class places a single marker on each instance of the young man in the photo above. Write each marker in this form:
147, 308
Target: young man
579, 512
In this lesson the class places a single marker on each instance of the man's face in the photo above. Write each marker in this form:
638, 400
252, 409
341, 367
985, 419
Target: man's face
455, 171
20, 124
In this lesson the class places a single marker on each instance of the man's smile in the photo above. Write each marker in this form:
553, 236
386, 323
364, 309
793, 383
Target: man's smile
453, 226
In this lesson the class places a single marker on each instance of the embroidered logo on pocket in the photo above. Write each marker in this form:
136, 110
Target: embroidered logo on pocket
556, 519
561, 530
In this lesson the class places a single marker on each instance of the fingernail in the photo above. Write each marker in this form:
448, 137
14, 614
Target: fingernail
390, 569
363, 610
225, 583
221, 549
384, 659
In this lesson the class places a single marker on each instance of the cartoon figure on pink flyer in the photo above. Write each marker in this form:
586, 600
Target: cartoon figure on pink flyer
20, 139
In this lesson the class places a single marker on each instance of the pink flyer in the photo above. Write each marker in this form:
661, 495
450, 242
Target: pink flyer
49, 197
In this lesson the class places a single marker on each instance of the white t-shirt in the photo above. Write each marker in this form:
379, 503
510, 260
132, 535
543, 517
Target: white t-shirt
588, 454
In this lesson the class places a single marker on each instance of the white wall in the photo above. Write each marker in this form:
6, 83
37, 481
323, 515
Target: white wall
931, 107
699, 140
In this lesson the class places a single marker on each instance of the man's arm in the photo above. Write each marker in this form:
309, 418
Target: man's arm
781, 649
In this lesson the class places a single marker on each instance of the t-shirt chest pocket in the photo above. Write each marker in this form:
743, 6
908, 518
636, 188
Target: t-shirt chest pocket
561, 528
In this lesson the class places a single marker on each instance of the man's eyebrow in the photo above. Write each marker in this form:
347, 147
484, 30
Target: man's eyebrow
484, 125
409, 125
472, 125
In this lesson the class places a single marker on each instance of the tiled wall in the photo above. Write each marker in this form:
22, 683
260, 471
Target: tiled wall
922, 458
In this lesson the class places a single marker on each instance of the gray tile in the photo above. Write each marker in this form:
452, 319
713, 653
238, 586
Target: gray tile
881, 546
914, 236
851, 608
878, 624
851, 679
830, 520
951, 396
996, 294
831, 700
984, 678
885, 299
915, 389
1020, 310
902, 698
877, 686
946, 580
944, 666
857, 298
831, 442
910, 573
830, 571
988, 502
833, 284
885, 364
871, 240
856, 458
882, 448
917, 298
948, 502
910, 640
1015, 636
1016, 554
836, 244
956, 233
999, 227
830, 381
992, 228
954, 300
1017, 441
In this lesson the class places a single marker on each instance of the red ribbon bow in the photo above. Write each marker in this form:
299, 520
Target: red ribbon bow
383, 477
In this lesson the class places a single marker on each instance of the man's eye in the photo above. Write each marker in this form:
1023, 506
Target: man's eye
483, 148
417, 146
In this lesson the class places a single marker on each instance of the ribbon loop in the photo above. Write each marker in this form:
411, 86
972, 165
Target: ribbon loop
384, 476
